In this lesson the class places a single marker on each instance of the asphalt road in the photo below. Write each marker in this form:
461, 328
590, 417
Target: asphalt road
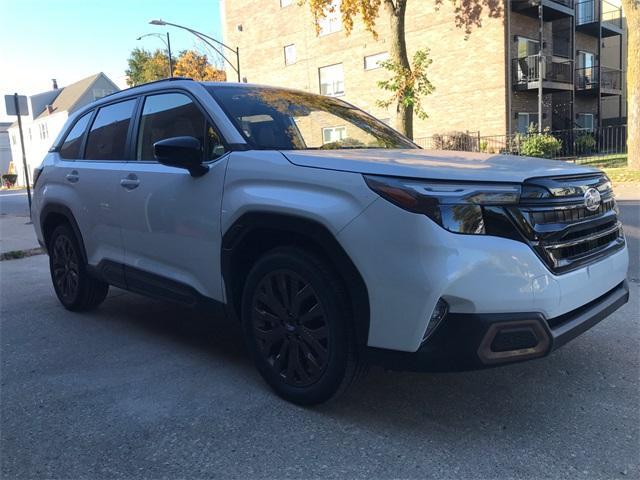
14, 202
143, 389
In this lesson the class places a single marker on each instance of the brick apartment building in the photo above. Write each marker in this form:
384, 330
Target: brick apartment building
488, 82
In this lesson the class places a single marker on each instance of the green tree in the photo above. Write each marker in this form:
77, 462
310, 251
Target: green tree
137, 61
145, 66
408, 81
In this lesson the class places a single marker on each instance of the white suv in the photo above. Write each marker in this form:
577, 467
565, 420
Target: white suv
337, 242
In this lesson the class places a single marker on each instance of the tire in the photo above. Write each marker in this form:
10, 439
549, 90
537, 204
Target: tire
297, 326
75, 288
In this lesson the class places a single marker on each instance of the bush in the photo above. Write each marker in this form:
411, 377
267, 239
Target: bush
535, 144
455, 141
585, 143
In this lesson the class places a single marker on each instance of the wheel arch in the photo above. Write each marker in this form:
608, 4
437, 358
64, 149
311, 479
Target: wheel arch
255, 233
54, 214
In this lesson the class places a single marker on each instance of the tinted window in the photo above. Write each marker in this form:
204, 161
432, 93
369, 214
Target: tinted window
277, 119
174, 115
108, 134
71, 147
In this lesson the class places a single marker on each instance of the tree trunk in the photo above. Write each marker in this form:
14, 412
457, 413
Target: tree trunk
398, 54
631, 9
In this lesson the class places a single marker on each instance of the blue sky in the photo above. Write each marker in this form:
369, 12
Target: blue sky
72, 39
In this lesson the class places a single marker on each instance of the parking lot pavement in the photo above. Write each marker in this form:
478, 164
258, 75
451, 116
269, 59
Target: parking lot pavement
143, 389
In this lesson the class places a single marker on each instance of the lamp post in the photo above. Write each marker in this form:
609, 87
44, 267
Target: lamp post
205, 38
167, 43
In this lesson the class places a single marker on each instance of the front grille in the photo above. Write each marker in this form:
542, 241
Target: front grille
553, 218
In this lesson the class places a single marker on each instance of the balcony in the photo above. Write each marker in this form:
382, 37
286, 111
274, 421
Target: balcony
593, 15
591, 80
556, 75
552, 9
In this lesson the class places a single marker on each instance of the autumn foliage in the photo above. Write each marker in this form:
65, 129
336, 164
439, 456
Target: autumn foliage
145, 66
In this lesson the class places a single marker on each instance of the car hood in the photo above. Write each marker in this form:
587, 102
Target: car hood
434, 164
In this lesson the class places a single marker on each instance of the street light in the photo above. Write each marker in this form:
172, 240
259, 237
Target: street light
167, 43
204, 38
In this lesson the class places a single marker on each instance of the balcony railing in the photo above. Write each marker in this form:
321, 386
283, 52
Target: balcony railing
527, 69
590, 11
590, 78
610, 78
611, 15
587, 78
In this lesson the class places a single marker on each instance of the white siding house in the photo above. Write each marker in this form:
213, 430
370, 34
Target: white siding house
48, 112
5, 147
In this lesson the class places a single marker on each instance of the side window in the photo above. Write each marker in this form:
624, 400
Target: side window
169, 115
70, 149
108, 135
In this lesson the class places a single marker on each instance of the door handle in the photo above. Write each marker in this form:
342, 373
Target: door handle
73, 176
130, 182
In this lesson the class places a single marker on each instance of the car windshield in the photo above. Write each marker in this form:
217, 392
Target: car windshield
278, 119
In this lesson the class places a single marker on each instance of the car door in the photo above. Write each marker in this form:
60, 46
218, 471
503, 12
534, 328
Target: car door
171, 220
95, 178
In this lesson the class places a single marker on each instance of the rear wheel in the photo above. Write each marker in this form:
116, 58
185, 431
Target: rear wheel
296, 320
75, 288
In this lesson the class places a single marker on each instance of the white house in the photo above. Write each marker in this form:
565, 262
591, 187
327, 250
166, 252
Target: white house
48, 112
5, 149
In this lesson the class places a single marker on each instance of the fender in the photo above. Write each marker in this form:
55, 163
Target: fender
63, 210
277, 229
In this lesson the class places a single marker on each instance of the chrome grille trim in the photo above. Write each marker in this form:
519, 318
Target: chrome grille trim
553, 219
616, 227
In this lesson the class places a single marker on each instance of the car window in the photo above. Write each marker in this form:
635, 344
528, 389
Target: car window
70, 149
169, 115
108, 135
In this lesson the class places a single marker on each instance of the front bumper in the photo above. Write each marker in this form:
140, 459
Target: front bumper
474, 341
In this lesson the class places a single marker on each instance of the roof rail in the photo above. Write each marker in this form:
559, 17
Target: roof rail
171, 79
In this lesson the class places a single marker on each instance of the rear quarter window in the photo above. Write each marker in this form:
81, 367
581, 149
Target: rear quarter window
70, 149
107, 138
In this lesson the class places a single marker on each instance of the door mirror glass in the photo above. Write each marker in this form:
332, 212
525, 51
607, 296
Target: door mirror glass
181, 152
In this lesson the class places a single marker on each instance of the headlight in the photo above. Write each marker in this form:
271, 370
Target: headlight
473, 208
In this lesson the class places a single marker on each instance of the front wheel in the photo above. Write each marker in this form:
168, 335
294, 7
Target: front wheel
297, 325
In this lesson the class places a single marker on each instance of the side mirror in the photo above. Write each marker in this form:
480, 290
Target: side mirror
181, 152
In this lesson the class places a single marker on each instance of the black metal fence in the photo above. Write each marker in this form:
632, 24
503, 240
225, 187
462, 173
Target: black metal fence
580, 144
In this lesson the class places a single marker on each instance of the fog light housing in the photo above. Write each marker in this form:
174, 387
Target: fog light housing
439, 312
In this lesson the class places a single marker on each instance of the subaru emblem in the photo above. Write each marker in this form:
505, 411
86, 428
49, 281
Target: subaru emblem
592, 199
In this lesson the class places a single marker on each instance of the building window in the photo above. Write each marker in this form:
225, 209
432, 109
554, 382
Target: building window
285, 3
13, 139
585, 121
29, 132
371, 62
333, 134
526, 120
332, 80
43, 131
289, 54
101, 92
332, 20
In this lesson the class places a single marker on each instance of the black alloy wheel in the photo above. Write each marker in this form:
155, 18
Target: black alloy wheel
298, 326
75, 288
290, 325
65, 268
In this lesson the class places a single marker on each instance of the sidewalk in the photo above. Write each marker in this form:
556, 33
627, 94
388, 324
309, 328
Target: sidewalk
16, 234
627, 191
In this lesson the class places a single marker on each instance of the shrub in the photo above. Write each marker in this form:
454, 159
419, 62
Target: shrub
585, 143
535, 144
455, 141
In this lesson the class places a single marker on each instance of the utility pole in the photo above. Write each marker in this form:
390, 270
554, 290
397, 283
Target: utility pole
24, 156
